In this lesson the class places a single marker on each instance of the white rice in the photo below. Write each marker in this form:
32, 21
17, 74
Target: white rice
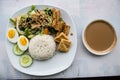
42, 47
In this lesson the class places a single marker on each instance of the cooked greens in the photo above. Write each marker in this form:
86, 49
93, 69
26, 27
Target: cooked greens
48, 11
13, 21
36, 21
32, 8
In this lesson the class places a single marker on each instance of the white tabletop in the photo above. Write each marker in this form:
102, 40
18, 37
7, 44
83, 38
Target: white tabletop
83, 12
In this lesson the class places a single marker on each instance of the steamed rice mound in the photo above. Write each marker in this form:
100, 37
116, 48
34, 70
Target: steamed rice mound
42, 47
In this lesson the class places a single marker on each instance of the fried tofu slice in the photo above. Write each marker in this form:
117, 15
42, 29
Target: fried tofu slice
60, 37
54, 23
54, 14
66, 29
64, 45
59, 26
58, 14
57, 33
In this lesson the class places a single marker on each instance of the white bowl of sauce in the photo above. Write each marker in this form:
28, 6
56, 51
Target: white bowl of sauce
99, 37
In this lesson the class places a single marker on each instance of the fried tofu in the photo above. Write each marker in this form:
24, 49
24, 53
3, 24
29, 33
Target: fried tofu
57, 33
59, 26
54, 14
66, 29
60, 37
58, 14
64, 45
54, 23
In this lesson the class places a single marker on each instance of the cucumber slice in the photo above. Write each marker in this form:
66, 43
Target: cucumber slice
25, 60
17, 50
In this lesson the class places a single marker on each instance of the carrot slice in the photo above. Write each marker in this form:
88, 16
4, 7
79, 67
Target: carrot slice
46, 31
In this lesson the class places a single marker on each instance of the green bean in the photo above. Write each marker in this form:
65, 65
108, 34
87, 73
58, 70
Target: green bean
26, 32
13, 21
32, 8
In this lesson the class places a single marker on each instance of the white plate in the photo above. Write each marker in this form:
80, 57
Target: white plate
58, 63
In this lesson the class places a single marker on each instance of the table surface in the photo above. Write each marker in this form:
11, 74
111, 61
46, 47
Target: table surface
83, 12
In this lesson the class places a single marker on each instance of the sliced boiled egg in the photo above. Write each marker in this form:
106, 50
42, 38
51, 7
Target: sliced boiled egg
23, 43
12, 35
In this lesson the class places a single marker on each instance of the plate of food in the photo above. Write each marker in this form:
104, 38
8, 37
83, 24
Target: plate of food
41, 40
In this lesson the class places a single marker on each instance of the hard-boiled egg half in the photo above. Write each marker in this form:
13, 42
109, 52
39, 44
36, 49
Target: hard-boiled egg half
12, 35
23, 43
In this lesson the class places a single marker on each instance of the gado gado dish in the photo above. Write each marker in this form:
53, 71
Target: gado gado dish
37, 34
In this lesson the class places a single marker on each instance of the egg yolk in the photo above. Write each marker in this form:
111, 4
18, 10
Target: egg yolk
23, 41
11, 33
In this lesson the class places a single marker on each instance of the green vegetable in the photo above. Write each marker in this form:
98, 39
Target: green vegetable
24, 16
31, 36
17, 50
48, 11
25, 60
52, 30
17, 26
32, 8
42, 32
13, 21
26, 32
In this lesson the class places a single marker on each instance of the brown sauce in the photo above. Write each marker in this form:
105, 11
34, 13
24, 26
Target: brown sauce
100, 35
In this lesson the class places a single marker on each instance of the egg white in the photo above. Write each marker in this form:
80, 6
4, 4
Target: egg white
22, 47
15, 38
